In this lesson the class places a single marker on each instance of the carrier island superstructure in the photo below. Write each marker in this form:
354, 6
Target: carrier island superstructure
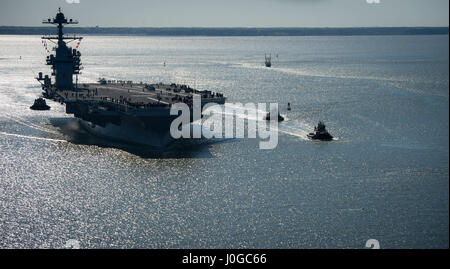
123, 110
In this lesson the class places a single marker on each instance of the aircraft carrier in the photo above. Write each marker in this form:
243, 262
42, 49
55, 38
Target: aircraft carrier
123, 110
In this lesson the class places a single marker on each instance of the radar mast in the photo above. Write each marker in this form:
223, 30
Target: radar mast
65, 61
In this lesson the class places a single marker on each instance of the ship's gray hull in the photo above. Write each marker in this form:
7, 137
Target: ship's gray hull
132, 132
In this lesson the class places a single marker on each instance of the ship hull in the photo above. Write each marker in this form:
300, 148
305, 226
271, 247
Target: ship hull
150, 133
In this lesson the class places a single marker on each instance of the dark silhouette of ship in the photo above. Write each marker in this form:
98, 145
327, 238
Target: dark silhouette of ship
268, 60
40, 104
320, 133
118, 109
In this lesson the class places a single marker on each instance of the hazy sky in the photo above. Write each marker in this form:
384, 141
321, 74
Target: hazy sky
231, 13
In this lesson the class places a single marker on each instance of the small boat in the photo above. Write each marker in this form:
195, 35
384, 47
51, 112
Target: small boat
101, 81
40, 104
280, 118
268, 61
320, 133
289, 107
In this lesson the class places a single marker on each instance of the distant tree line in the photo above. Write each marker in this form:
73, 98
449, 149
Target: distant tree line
199, 31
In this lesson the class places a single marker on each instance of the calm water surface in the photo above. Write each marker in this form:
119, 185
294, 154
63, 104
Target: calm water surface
385, 98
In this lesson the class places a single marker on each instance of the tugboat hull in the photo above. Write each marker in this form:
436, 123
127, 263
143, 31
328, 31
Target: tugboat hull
323, 137
39, 104
39, 108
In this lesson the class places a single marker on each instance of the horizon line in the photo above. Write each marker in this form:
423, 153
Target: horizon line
228, 31
231, 27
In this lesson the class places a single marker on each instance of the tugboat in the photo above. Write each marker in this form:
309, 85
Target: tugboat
320, 133
268, 61
40, 104
280, 118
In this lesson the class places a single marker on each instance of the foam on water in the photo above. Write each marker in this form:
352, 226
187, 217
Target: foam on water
26, 123
33, 137
290, 127
305, 73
